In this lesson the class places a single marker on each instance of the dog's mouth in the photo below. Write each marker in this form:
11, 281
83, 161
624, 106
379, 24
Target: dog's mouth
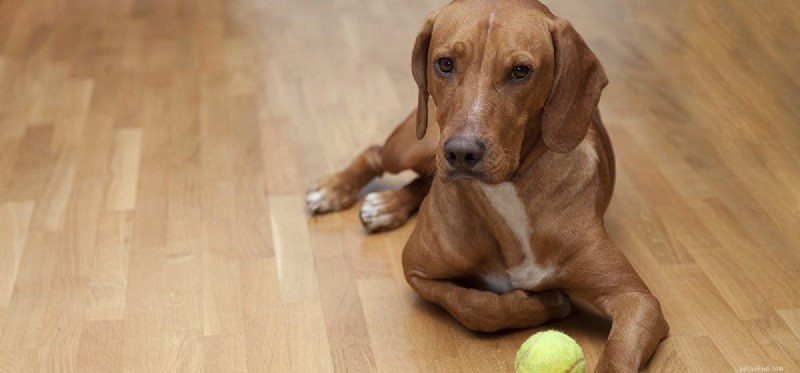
454, 174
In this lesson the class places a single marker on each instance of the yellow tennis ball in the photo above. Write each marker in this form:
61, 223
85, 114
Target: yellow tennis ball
550, 352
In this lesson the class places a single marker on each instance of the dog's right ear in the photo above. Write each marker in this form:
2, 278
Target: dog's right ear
419, 68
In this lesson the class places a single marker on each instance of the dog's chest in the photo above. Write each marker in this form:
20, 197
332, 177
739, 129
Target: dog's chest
504, 200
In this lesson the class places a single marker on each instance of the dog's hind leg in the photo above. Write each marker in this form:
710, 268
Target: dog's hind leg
340, 190
390, 209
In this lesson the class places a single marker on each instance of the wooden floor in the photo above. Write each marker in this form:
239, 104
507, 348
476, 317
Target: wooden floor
154, 155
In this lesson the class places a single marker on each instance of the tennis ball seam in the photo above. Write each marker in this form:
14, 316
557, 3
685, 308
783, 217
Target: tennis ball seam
575, 365
525, 354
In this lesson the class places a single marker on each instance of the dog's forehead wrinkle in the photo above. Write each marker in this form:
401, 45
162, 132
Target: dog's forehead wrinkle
484, 76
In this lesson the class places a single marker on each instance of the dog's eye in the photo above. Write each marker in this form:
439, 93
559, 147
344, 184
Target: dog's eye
520, 72
444, 65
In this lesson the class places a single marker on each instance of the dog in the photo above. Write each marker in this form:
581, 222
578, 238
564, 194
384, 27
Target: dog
516, 171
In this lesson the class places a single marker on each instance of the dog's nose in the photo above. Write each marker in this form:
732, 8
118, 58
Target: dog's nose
463, 152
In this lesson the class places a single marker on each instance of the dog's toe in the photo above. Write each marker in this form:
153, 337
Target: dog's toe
332, 193
317, 202
562, 306
320, 201
380, 211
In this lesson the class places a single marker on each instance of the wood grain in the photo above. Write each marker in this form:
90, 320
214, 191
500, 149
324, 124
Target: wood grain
154, 157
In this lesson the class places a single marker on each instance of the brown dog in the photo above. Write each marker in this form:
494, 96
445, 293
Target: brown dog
518, 171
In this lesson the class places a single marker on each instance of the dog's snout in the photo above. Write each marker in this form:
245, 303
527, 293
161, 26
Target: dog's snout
463, 152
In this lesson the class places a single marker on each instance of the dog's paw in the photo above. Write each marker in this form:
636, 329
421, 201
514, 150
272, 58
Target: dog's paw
385, 210
558, 304
333, 193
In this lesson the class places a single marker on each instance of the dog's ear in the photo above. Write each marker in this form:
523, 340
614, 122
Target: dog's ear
419, 68
579, 80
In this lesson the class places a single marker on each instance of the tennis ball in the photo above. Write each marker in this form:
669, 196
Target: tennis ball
550, 352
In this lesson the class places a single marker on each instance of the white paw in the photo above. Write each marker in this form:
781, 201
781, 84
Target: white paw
321, 201
376, 213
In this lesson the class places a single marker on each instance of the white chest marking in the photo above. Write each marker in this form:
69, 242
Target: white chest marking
506, 202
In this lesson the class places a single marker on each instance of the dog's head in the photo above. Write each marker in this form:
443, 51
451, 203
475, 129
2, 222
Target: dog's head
499, 71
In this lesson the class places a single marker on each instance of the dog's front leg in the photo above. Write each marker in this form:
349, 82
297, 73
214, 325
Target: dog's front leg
602, 275
637, 326
340, 190
487, 311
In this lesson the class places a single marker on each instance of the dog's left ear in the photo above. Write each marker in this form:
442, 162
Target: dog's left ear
419, 68
579, 80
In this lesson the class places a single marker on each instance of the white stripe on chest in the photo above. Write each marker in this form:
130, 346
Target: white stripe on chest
504, 199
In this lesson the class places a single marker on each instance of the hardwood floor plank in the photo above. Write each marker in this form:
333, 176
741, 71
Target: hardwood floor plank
26, 316
108, 275
342, 305
293, 254
101, 347
700, 354
17, 360
58, 191
264, 318
32, 166
222, 296
391, 343
15, 218
792, 319
125, 160
63, 323
224, 353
